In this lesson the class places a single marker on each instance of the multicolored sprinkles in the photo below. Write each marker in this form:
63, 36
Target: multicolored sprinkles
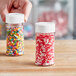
15, 40
44, 49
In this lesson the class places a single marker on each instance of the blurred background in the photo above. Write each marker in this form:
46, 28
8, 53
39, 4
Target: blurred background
62, 12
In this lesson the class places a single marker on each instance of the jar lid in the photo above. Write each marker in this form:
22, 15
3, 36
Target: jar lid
15, 18
45, 27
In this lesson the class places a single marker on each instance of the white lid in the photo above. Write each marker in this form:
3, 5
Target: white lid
45, 27
15, 18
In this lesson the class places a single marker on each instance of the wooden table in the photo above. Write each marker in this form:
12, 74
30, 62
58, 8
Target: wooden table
65, 61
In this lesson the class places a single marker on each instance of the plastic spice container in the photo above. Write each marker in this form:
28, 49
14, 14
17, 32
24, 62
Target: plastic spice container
15, 35
44, 43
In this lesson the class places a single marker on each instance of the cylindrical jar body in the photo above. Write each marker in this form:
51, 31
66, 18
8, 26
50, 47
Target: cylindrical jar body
44, 48
15, 39
15, 35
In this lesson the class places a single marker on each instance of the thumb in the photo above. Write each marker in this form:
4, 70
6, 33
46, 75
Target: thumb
3, 14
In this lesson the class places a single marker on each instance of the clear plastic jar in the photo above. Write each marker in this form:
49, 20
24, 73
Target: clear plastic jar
15, 35
45, 43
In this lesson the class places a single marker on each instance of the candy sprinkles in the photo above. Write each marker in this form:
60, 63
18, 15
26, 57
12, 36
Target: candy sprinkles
44, 49
44, 43
15, 35
15, 38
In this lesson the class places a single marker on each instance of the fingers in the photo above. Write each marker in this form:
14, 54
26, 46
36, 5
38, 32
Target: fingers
5, 8
21, 3
3, 14
22, 6
10, 4
15, 10
16, 4
26, 9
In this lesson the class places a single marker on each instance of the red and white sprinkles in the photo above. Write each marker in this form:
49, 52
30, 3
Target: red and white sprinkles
44, 49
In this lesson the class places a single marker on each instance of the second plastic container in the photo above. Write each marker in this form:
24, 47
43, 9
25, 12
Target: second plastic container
15, 35
44, 43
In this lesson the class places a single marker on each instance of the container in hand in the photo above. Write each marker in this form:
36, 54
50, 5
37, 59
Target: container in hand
44, 43
15, 35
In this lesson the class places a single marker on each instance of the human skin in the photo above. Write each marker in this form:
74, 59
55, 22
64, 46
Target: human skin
15, 6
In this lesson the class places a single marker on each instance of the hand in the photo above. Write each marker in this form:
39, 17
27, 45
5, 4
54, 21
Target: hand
15, 6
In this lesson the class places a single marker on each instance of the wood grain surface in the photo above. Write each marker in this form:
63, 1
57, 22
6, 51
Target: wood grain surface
65, 61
